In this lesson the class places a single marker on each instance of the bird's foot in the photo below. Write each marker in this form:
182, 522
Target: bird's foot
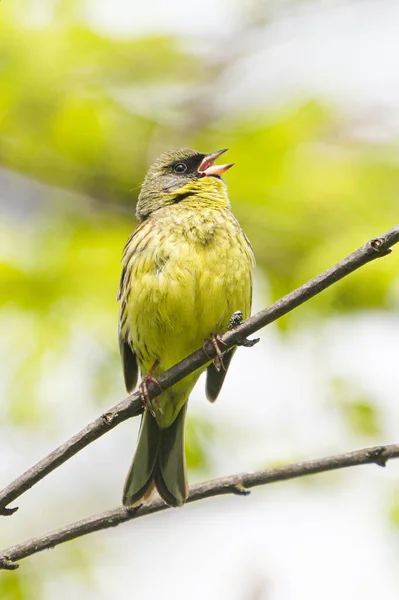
218, 360
143, 389
235, 321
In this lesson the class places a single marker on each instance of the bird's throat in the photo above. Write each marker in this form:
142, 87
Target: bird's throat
207, 191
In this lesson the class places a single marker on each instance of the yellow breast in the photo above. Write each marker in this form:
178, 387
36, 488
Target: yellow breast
187, 271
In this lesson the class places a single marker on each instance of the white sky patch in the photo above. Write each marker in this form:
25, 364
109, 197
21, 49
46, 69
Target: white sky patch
345, 53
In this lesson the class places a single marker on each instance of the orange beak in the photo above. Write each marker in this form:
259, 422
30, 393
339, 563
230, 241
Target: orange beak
208, 168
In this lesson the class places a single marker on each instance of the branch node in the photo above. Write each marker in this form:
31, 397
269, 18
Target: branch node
133, 510
109, 417
240, 490
378, 455
7, 564
7, 512
378, 244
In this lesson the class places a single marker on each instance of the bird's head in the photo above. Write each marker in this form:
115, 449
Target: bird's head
179, 174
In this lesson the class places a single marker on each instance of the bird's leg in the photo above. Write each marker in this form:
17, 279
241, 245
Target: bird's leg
235, 321
218, 361
143, 389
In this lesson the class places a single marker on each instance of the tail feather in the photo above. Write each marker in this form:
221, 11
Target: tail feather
170, 473
141, 473
159, 459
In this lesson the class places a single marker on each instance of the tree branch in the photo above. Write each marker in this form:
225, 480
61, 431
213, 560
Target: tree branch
132, 405
234, 484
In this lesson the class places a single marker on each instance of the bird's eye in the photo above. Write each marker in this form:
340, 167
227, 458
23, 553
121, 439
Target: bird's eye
180, 168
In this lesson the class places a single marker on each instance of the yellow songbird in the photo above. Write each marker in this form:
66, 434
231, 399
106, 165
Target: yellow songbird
187, 268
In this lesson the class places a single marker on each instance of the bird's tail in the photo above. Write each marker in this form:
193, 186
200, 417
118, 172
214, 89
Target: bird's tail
159, 460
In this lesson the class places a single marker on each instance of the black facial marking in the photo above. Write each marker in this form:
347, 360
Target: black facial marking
182, 196
188, 166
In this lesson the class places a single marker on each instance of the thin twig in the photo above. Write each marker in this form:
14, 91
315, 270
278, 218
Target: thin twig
234, 484
132, 406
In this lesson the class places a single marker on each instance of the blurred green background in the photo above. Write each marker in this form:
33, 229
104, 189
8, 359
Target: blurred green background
83, 112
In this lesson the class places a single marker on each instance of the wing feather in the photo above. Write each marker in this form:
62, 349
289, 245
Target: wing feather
129, 359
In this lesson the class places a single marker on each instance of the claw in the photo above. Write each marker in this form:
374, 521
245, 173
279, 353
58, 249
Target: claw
218, 361
235, 320
143, 389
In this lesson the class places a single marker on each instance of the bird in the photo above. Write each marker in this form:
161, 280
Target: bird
186, 271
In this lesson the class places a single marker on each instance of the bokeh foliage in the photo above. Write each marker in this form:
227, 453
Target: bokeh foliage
78, 112
86, 114
65, 112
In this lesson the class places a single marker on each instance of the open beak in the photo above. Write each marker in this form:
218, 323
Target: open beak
208, 168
